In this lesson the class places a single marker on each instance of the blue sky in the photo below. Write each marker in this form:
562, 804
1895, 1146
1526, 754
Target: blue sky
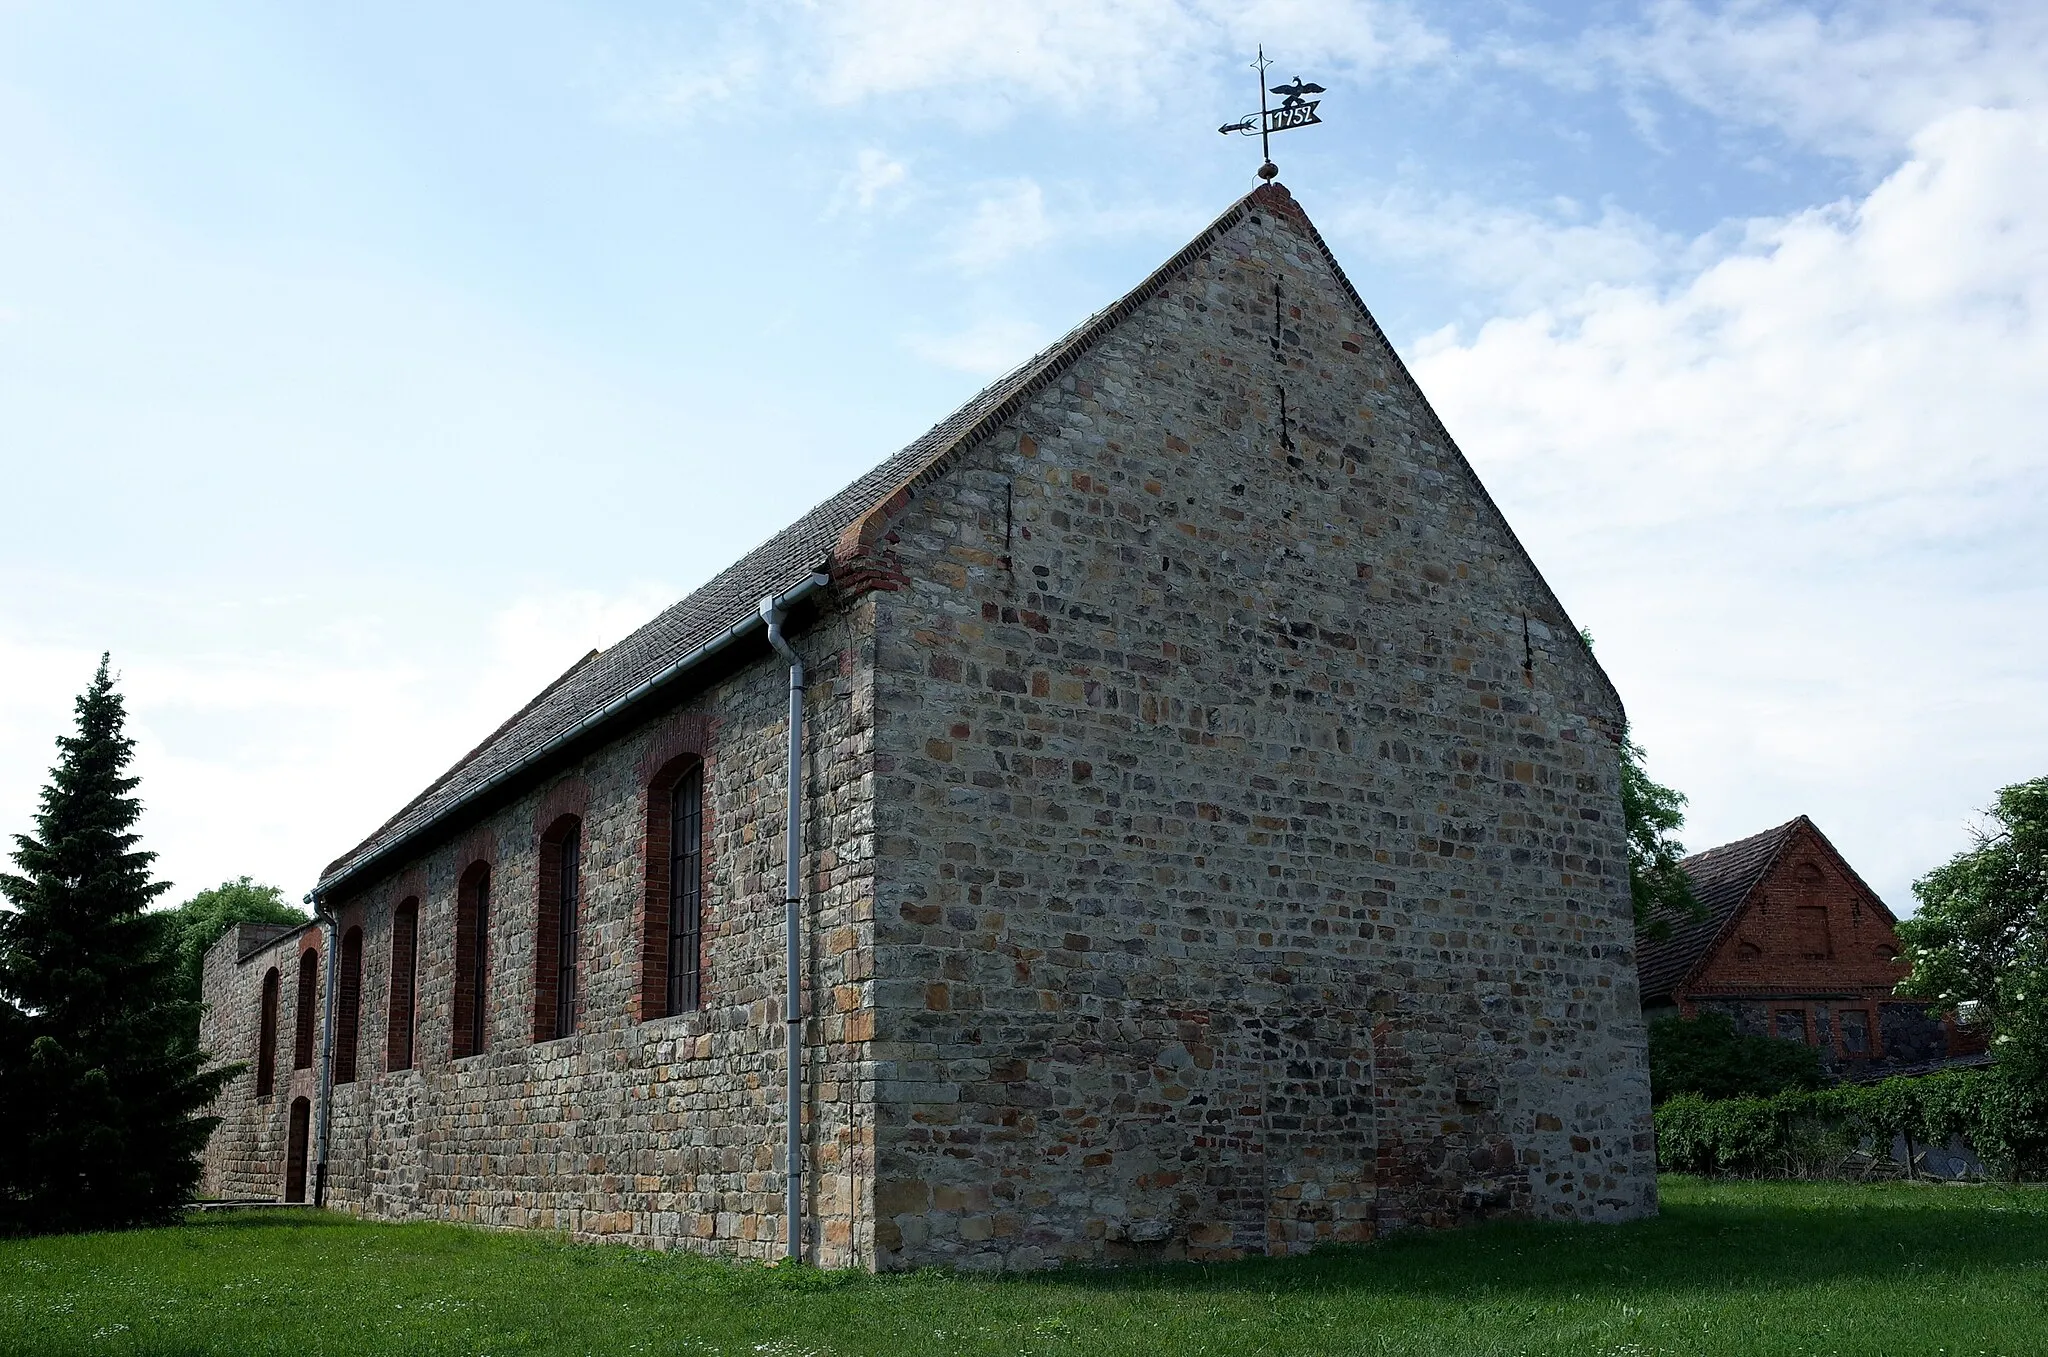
360, 367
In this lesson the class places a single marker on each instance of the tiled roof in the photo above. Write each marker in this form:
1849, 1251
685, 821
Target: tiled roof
775, 567
1722, 879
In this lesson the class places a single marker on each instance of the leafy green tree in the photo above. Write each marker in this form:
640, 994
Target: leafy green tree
1707, 1056
1652, 814
101, 1079
1981, 934
201, 922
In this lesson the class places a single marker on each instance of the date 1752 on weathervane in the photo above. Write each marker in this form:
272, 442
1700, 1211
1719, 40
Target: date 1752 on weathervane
1297, 110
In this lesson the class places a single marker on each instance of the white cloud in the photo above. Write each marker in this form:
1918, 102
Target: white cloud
1798, 494
1009, 219
1859, 79
1519, 257
1092, 53
987, 348
255, 762
989, 56
874, 174
1012, 217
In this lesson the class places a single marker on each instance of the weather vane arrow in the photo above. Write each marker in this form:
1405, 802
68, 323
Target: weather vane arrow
1296, 110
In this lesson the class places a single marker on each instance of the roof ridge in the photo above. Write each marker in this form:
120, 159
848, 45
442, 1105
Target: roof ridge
1723, 877
1743, 842
853, 556
837, 534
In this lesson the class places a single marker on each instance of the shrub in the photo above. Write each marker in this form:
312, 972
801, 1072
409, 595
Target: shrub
1814, 1133
1708, 1057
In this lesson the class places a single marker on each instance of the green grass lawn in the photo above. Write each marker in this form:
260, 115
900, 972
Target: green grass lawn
1729, 1268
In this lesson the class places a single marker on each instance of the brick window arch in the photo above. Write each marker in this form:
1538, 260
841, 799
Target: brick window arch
405, 957
302, 1013
266, 1036
472, 1009
348, 1006
558, 930
672, 942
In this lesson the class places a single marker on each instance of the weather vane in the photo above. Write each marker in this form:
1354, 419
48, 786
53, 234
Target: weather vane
1298, 110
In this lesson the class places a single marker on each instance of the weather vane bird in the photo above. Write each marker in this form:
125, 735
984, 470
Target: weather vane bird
1295, 91
1297, 110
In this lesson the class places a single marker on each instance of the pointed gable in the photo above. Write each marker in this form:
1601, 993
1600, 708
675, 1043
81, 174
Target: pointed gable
836, 540
1722, 879
1792, 868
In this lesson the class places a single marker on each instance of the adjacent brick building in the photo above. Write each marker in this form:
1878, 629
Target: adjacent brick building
1793, 944
1212, 845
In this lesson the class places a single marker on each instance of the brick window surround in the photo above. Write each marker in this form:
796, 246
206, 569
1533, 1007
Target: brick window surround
303, 1010
405, 952
348, 1006
472, 1008
266, 1036
672, 932
557, 931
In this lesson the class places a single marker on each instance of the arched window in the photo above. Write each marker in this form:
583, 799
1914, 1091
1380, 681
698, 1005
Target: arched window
672, 940
472, 962
302, 1015
556, 930
348, 1006
672, 936
405, 952
295, 1155
686, 892
266, 1037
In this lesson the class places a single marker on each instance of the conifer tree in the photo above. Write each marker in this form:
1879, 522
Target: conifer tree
101, 1079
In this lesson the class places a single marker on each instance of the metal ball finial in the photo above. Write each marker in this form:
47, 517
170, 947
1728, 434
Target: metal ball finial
1269, 171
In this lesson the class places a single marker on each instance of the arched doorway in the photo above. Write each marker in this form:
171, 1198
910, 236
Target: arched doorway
295, 1154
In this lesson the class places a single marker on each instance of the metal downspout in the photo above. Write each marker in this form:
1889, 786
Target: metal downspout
329, 943
771, 613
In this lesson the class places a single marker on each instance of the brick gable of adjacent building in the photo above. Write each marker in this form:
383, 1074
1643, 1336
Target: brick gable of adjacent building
1795, 944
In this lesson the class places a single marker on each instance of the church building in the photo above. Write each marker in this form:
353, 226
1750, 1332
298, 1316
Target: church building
1195, 824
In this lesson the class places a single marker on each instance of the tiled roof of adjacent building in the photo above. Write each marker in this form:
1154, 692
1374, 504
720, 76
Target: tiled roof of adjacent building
1722, 879
828, 538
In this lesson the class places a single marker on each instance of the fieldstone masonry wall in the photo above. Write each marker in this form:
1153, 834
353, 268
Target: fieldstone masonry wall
246, 1157
667, 1132
1214, 846
1252, 869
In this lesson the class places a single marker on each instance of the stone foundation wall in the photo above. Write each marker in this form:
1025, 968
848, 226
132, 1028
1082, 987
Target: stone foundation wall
1251, 861
667, 1132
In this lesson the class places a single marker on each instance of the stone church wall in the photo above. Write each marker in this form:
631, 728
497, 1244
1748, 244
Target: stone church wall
1251, 869
1214, 846
666, 1132
245, 1158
